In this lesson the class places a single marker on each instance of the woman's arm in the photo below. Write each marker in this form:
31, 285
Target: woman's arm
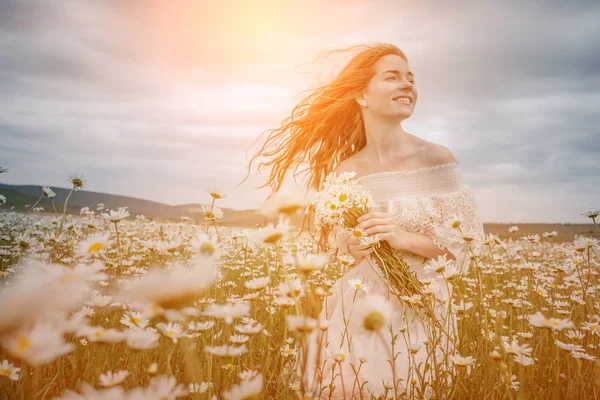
422, 245
385, 226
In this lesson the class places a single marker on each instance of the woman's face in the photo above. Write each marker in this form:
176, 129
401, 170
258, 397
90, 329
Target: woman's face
392, 81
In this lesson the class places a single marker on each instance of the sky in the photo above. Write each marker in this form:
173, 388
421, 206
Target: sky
163, 99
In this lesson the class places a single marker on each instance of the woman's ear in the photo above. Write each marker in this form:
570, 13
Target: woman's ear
361, 100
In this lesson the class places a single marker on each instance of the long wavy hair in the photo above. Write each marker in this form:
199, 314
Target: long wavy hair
325, 128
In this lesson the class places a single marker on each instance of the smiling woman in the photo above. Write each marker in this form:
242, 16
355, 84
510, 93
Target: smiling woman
353, 125
327, 126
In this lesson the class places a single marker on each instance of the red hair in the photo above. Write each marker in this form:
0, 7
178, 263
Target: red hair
326, 127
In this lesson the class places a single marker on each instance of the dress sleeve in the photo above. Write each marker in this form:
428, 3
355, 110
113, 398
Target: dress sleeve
449, 208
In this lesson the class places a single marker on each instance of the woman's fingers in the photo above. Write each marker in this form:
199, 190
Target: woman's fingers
358, 246
359, 254
361, 249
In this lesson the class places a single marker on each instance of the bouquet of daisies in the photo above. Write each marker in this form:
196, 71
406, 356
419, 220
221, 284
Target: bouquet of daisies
340, 203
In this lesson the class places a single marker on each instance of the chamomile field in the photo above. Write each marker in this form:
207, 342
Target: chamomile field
107, 305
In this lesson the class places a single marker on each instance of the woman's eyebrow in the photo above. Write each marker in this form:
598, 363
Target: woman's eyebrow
395, 71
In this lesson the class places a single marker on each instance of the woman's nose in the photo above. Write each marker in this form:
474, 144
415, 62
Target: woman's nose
405, 83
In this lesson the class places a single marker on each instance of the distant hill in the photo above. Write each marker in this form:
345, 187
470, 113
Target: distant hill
20, 196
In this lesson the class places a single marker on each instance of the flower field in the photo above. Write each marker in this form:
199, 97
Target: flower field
106, 305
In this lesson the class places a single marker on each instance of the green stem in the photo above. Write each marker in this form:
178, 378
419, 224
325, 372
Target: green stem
62, 220
26, 212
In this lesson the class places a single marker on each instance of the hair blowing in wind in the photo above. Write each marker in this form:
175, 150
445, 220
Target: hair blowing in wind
326, 127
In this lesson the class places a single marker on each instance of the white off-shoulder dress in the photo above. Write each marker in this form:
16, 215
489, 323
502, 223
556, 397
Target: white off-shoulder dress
421, 201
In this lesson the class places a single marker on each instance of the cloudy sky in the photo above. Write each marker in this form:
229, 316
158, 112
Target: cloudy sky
161, 99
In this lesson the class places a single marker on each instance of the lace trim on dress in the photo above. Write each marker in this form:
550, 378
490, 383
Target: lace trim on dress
426, 181
424, 200
432, 216
406, 173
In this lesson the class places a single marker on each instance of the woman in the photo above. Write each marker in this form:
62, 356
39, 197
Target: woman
353, 124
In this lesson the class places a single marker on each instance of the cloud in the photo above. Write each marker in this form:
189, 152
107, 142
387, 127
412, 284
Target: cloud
160, 100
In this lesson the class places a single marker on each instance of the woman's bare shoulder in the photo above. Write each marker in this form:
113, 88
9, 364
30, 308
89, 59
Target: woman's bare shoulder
428, 154
435, 154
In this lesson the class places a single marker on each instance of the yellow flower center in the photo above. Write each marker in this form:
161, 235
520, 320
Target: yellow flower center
289, 209
273, 238
207, 248
23, 344
373, 321
95, 247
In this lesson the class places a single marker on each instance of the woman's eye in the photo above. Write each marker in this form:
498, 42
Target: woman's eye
390, 77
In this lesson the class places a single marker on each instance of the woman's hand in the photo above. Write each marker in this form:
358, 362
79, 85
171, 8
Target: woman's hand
383, 224
357, 250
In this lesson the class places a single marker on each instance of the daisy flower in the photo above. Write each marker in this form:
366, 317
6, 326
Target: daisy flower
77, 181
311, 262
247, 389
141, 339
109, 378
161, 387
227, 311
454, 221
591, 327
170, 289
40, 345
133, 319
100, 334
201, 387
579, 354
301, 323
93, 245
116, 216
226, 350
373, 312
461, 361
216, 212
216, 193
569, 346
48, 192
249, 329
268, 235
358, 285
284, 203
171, 330
555, 324
437, 265
238, 338
9, 370
257, 283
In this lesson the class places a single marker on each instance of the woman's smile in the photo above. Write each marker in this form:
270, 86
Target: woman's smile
403, 99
